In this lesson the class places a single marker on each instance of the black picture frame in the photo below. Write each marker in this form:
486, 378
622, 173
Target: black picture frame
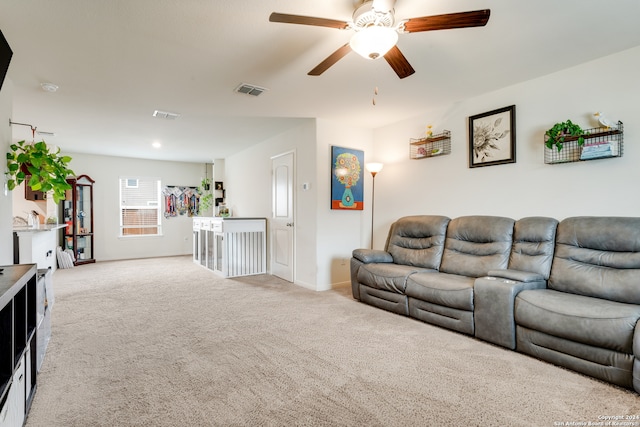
218, 185
492, 137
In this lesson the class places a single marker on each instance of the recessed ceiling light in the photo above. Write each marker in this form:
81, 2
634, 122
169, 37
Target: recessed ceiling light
156, 145
49, 87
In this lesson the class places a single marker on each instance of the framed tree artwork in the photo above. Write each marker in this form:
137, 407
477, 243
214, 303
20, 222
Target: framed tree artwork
492, 137
347, 179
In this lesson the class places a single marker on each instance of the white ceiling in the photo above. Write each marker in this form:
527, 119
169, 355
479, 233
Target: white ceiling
116, 61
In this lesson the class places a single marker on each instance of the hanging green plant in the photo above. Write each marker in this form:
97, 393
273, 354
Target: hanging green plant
206, 196
557, 135
47, 170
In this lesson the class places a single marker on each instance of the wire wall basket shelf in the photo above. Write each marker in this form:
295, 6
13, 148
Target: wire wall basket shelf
432, 146
599, 143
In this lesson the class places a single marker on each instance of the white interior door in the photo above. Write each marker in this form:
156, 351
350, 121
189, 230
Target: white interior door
282, 220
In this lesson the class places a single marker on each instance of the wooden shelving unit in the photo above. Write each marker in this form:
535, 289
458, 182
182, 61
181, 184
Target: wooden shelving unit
432, 146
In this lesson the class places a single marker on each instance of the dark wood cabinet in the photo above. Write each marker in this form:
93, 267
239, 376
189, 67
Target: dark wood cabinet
77, 214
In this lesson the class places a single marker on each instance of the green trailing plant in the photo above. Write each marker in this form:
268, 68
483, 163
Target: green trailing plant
47, 170
560, 131
206, 196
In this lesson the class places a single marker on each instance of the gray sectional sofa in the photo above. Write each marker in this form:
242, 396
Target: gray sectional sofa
566, 292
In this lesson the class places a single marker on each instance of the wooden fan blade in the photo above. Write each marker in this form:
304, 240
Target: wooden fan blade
307, 20
477, 18
399, 63
331, 59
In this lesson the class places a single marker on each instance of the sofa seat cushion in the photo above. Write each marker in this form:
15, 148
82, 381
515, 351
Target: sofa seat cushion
390, 277
593, 321
448, 290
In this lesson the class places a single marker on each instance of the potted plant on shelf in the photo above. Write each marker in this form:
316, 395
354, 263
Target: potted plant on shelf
47, 170
557, 135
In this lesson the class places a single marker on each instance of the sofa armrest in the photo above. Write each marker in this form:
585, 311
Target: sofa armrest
494, 306
368, 256
365, 256
517, 275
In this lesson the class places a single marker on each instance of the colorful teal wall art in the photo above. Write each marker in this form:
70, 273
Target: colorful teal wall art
347, 183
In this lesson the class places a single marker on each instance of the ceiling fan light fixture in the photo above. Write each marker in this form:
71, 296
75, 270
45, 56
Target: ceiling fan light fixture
374, 42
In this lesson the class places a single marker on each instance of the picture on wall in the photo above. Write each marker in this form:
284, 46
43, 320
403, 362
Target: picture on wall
347, 179
492, 137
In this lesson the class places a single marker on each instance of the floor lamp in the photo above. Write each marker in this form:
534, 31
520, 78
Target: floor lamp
373, 168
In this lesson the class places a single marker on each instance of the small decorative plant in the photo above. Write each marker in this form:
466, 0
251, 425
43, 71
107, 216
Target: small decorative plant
47, 170
560, 131
206, 196
205, 184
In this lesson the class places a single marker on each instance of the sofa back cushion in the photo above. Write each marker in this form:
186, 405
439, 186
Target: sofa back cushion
533, 243
598, 257
477, 244
418, 240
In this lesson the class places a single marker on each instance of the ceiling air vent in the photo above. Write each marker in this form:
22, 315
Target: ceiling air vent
250, 89
165, 115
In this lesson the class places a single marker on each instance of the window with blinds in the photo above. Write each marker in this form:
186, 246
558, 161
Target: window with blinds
140, 206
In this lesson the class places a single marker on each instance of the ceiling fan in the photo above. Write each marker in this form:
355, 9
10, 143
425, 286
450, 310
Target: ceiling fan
376, 32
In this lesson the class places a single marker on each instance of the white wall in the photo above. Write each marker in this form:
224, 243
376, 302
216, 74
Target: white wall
248, 184
339, 231
106, 171
324, 238
6, 204
445, 185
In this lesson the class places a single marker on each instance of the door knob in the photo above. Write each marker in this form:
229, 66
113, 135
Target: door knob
289, 224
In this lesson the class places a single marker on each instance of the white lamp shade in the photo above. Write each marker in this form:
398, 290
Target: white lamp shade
374, 167
373, 42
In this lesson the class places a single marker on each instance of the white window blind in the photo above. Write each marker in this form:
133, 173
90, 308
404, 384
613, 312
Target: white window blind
140, 206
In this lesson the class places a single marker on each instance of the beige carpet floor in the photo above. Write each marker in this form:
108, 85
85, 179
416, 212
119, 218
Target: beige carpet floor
164, 342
